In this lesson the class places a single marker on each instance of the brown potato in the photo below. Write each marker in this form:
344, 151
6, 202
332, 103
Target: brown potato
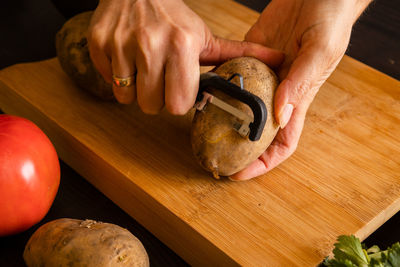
70, 242
216, 145
73, 54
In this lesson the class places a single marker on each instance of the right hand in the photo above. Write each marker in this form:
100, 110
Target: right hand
314, 35
163, 43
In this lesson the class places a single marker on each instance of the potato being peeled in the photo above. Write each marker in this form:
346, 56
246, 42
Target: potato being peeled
70, 242
217, 146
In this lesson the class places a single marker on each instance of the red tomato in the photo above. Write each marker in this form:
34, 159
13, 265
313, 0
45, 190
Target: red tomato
29, 174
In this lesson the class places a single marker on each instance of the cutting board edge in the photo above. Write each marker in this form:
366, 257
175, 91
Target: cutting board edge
378, 221
148, 215
128, 207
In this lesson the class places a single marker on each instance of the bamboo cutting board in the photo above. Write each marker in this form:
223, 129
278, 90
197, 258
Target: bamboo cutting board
344, 177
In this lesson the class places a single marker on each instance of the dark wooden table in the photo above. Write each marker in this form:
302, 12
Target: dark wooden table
27, 30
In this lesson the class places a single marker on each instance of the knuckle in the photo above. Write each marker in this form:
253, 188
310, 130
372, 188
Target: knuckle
308, 91
95, 39
304, 91
182, 40
120, 40
303, 88
148, 45
147, 39
93, 33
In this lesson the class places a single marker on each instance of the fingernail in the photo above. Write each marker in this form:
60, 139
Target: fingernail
285, 115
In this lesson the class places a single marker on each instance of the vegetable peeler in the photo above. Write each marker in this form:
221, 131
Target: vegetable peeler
251, 126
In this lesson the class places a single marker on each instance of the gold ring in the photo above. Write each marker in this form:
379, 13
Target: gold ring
122, 82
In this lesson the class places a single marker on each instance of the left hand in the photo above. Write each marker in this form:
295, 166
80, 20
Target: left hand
159, 45
314, 35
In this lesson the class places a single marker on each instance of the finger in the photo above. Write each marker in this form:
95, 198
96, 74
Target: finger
97, 53
220, 50
255, 34
307, 73
281, 148
123, 66
150, 80
181, 81
256, 168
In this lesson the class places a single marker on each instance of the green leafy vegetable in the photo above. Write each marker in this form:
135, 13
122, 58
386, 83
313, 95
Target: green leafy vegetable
349, 252
394, 254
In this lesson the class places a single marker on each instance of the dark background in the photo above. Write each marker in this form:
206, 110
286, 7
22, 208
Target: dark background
27, 30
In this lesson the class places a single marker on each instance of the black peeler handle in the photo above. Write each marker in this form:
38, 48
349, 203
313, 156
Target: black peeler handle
260, 113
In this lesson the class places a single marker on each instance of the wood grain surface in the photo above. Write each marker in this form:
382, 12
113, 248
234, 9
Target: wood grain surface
343, 178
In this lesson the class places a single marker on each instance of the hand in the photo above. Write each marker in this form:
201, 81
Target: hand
314, 35
162, 42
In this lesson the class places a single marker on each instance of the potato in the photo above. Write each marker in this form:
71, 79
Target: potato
216, 145
70, 242
73, 54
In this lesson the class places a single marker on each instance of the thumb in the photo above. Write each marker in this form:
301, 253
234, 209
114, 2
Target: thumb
297, 90
219, 50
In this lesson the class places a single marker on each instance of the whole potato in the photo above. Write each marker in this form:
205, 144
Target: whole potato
73, 55
70, 242
216, 145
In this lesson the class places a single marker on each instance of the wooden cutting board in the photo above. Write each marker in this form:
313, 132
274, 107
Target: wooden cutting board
344, 177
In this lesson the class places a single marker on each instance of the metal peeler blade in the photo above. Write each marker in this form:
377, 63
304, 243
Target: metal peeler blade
251, 126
